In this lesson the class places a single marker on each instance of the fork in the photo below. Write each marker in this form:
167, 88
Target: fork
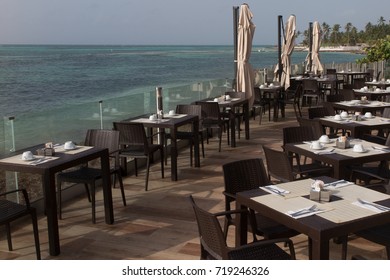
275, 190
379, 207
305, 211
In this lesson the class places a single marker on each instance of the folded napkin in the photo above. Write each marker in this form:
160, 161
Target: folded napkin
305, 212
338, 184
371, 206
384, 120
275, 190
325, 152
383, 149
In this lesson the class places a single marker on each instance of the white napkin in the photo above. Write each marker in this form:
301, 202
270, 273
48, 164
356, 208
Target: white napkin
273, 189
338, 184
325, 152
304, 212
371, 206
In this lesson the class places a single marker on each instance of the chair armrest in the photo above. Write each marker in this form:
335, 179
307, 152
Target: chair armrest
229, 195
23, 191
369, 174
262, 243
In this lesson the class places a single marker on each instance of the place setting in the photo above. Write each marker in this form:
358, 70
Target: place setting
375, 207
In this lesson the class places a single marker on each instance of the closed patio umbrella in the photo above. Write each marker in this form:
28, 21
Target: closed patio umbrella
316, 65
245, 74
287, 49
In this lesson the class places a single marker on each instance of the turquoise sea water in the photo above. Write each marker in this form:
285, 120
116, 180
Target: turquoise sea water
54, 91
34, 78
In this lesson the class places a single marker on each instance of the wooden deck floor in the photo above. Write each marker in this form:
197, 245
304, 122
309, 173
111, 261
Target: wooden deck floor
159, 224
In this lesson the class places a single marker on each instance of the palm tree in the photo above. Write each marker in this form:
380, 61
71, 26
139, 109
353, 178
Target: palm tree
348, 28
325, 32
335, 34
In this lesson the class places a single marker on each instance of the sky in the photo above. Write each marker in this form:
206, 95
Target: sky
168, 22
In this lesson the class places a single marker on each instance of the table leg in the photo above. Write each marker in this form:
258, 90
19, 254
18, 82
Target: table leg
320, 249
174, 155
241, 226
48, 181
246, 117
107, 192
195, 129
232, 130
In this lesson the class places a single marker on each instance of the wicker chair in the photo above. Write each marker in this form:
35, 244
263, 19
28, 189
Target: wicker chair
213, 244
311, 91
368, 173
245, 175
136, 145
237, 112
260, 102
293, 97
279, 166
11, 211
378, 234
212, 118
188, 134
300, 134
88, 175
315, 125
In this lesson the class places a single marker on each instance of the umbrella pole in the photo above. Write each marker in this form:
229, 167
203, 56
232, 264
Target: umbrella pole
280, 67
310, 46
235, 43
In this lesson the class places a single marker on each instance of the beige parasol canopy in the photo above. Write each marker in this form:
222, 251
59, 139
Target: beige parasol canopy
287, 49
316, 65
245, 74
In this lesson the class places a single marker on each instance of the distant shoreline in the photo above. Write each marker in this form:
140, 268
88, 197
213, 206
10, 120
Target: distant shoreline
350, 49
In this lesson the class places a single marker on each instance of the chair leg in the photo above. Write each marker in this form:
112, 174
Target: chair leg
93, 198
36, 233
147, 173
59, 200
9, 238
162, 163
135, 167
121, 187
202, 143
220, 138
87, 191
260, 115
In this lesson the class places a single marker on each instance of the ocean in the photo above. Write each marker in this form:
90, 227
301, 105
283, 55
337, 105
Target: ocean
53, 90
34, 77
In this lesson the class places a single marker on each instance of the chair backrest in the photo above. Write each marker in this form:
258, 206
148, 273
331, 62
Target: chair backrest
210, 110
103, 138
331, 71
358, 83
244, 175
236, 94
347, 94
314, 124
131, 134
210, 232
310, 85
370, 75
334, 98
386, 113
278, 165
318, 112
195, 110
298, 134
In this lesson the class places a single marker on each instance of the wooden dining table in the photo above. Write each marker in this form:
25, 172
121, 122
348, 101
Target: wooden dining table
349, 76
341, 159
232, 104
342, 215
274, 93
371, 94
48, 167
359, 106
173, 123
356, 128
